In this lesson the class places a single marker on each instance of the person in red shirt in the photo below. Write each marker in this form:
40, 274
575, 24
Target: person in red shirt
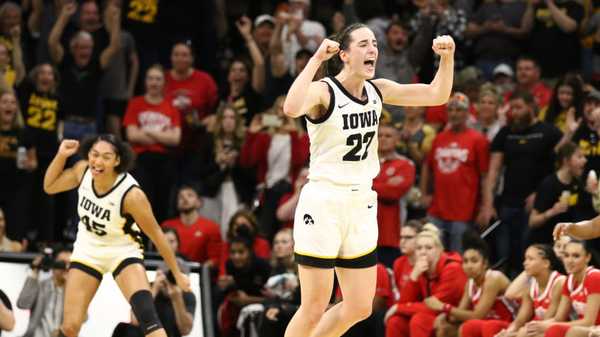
403, 265
456, 164
200, 238
152, 126
193, 93
580, 294
528, 79
483, 300
435, 274
243, 223
396, 176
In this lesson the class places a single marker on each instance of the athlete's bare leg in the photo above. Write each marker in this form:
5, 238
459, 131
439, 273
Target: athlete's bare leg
131, 280
358, 289
316, 285
79, 291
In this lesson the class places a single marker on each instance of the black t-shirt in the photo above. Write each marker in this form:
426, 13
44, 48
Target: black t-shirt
248, 104
589, 143
166, 313
548, 193
140, 19
79, 87
546, 37
41, 114
10, 175
252, 279
528, 159
6, 301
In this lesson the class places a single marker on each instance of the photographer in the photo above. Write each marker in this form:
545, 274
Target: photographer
45, 298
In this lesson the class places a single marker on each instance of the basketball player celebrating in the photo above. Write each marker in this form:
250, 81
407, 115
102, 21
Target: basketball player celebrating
336, 217
111, 206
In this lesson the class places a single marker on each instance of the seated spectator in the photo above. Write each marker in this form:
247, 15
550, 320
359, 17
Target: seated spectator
529, 80
45, 298
580, 293
243, 222
404, 265
488, 105
7, 318
17, 157
239, 91
483, 298
283, 294
152, 127
42, 112
243, 284
557, 197
194, 94
81, 70
217, 170
288, 202
416, 136
436, 274
540, 301
200, 237
6, 244
396, 176
277, 147
458, 159
566, 104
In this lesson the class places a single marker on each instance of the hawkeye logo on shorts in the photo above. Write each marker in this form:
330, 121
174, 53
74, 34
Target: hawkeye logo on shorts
308, 220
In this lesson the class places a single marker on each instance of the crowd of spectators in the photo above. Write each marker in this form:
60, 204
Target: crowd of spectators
197, 89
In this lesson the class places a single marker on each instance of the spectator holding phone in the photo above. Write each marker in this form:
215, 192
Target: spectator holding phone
45, 298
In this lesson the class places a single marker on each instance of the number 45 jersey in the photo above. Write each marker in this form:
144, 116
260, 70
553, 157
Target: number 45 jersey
343, 142
101, 219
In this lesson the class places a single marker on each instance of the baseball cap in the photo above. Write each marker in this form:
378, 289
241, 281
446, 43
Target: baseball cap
264, 18
459, 100
593, 95
503, 69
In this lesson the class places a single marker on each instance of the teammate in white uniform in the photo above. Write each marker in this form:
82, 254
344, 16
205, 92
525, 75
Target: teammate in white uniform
336, 217
111, 206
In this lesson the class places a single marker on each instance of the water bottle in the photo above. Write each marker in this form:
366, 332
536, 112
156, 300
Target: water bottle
21, 157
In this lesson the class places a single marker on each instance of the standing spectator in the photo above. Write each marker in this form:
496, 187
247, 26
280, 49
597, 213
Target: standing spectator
200, 238
488, 104
558, 195
7, 318
244, 26
497, 30
456, 164
525, 150
11, 17
6, 244
12, 68
504, 78
550, 24
43, 116
528, 80
80, 71
416, 136
300, 32
277, 147
239, 91
13, 166
567, 100
194, 94
152, 125
396, 176
118, 82
587, 135
45, 298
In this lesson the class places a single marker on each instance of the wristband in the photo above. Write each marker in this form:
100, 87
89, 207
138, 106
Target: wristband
446, 308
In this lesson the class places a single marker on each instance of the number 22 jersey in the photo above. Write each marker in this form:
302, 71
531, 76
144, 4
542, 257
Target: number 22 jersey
343, 142
101, 218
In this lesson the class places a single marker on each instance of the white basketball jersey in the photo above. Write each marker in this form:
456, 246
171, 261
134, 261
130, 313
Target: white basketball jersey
343, 142
101, 221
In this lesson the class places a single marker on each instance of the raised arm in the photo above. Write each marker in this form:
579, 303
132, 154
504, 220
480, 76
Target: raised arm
305, 96
35, 18
136, 203
17, 54
55, 48
57, 178
113, 14
278, 63
435, 93
244, 25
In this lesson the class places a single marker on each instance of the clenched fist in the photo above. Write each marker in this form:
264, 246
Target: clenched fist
443, 45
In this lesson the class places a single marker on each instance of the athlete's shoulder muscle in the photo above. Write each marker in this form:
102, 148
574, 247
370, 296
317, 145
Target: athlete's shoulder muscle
317, 99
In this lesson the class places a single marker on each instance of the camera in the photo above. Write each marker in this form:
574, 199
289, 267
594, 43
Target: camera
47, 261
171, 277
271, 120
